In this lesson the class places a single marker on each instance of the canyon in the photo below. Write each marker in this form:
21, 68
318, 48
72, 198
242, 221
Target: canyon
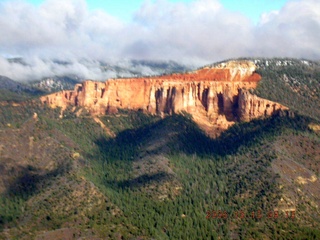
216, 96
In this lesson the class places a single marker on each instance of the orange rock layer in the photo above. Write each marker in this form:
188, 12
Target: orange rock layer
212, 93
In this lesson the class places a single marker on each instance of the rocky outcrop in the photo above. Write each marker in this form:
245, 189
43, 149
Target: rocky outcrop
250, 106
214, 93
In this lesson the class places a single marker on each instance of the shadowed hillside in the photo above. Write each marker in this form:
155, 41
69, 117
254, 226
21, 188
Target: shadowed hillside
157, 177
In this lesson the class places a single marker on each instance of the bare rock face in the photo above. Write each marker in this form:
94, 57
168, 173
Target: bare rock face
214, 94
251, 106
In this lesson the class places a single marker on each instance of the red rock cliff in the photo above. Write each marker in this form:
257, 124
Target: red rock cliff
212, 92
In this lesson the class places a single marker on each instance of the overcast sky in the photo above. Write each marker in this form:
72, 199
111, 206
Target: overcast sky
196, 32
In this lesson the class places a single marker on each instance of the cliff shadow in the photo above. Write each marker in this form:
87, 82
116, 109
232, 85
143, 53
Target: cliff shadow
220, 104
235, 108
31, 180
180, 134
204, 98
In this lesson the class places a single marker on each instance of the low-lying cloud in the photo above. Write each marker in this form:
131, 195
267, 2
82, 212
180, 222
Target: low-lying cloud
197, 33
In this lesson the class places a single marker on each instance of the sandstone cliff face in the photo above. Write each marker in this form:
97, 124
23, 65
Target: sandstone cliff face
214, 94
250, 106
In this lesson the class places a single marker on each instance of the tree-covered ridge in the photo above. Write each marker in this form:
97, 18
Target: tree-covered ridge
291, 82
158, 178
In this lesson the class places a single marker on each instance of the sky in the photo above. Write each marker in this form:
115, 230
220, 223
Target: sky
194, 32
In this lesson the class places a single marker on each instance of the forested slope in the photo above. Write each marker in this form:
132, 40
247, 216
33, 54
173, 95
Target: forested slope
158, 178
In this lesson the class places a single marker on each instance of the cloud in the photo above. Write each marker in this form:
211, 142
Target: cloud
56, 29
198, 32
294, 31
37, 68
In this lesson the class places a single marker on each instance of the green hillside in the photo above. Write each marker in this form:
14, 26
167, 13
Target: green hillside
14, 91
158, 178
294, 83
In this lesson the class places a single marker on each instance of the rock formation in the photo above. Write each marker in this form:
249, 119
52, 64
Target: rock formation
217, 94
250, 106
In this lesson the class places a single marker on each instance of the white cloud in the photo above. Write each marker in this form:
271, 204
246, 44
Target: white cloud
294, 31
267, 16
201, 32
37, 68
